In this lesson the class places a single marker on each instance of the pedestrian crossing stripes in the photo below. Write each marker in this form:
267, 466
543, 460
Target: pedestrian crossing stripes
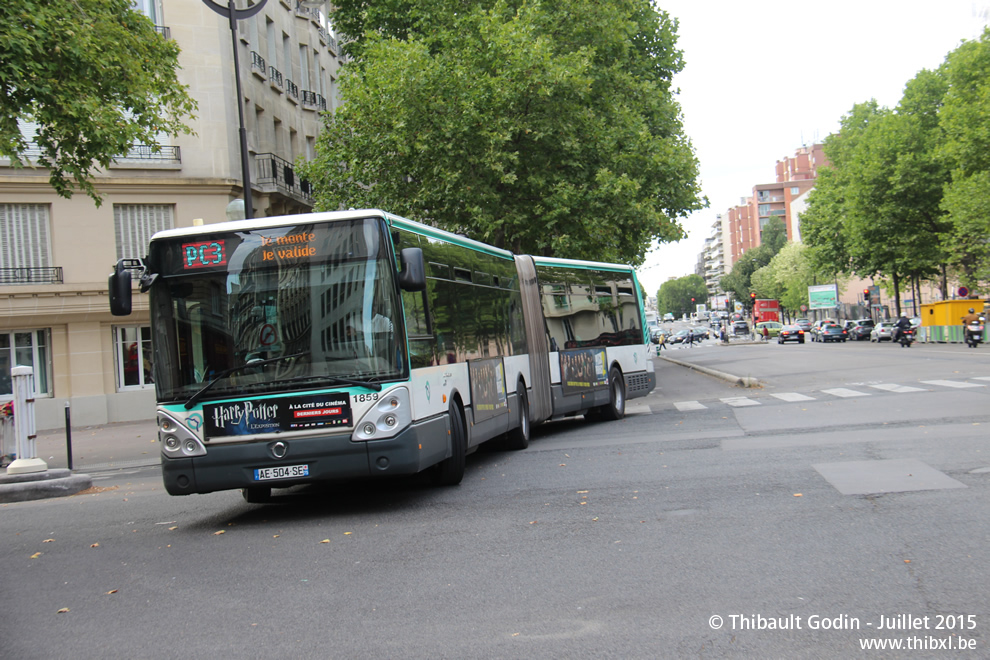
844, 392
792, 397
840, 392
952, 383
900, 389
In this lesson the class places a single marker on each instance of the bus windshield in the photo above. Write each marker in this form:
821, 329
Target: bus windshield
276, 309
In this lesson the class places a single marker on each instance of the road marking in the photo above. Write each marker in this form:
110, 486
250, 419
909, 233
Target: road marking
981, 378
740, 401
689, 405
952, 383
844, 393
793, 397
900, 389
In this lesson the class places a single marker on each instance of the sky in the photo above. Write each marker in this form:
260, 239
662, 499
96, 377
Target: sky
761, 78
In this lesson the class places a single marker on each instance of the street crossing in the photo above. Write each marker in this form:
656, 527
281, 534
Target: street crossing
835, 392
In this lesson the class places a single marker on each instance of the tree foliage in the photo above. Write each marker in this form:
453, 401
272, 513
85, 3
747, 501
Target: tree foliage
95, 77
549, 130
675, 296
905, 195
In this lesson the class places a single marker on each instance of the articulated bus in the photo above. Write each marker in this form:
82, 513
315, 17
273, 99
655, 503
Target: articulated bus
331, 346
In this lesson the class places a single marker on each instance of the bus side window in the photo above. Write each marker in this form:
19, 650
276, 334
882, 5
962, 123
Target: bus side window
421, 343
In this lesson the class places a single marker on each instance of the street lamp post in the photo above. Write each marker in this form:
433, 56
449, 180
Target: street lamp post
233, 14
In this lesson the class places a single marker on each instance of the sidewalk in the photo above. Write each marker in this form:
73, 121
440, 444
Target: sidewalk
104, 447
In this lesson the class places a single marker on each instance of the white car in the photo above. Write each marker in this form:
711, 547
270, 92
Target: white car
882, 331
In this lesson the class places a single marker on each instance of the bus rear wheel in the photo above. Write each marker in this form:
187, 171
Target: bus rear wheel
518, 438
450, 471
616, 408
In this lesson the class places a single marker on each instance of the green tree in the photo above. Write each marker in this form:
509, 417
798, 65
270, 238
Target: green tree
965, 116
549, 130
675, 296
95, 77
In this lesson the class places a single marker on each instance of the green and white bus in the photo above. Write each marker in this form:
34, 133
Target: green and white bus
329, 346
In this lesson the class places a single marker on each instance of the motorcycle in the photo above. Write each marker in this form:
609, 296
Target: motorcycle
974, 332
906, 338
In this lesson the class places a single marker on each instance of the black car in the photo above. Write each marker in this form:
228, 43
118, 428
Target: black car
791, 333
832, 332
740, 327
679, 337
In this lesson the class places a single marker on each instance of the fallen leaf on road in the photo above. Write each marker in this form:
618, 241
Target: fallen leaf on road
798, 495
64, 610
95, 545
325, 541
48, 541
276, 536
35, 555
219, 533
173, 528
348, 533
112, 591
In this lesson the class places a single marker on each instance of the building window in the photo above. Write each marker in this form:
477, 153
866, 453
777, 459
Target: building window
24, 348
24, 236
764, 209
795, 191
135, 224
132, 348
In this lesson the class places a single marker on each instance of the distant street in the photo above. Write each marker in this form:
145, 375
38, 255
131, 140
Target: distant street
800, 519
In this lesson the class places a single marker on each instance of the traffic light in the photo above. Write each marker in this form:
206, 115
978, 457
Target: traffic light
866, 295
752, 296
692, 299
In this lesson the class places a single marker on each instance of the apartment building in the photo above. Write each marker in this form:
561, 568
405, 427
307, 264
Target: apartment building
55, 253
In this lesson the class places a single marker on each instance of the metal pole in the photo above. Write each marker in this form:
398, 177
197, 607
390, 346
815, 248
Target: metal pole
245, 165
68, 434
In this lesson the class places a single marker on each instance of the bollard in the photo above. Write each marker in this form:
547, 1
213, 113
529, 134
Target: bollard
27, 460
68, 435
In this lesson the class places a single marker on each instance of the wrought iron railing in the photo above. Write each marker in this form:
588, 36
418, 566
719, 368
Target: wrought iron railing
167, 153
258, 63
291, 89
309, 98
275, 76
278, 173
321, 102
164, 31
30, 275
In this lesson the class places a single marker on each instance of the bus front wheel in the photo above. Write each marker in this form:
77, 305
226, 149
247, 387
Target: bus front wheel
450, 471
616, 408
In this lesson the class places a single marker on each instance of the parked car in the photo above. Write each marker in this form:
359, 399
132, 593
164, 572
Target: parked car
882, 331
804, 324
791, 333
773, 327
862, 329
832, 332
679, 336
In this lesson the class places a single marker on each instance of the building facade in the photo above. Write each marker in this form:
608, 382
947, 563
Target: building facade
55, 253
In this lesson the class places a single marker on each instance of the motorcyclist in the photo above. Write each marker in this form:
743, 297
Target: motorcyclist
902, 324
972, 317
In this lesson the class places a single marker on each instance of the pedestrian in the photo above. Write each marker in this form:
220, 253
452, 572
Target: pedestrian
690, 338
662, 343
766, 333
723, 336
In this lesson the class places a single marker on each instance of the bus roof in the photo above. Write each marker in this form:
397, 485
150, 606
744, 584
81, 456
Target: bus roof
267, 223
580, 263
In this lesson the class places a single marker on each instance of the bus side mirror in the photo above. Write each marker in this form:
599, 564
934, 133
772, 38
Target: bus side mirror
119, 284
413, 274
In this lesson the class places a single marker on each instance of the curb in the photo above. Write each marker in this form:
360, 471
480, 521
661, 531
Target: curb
42, 485
742, 381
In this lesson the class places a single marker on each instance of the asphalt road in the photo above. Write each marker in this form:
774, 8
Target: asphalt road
697, 527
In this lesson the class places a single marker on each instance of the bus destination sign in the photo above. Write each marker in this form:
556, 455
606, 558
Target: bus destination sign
204, 254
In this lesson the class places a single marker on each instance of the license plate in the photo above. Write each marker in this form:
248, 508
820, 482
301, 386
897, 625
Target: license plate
281, 472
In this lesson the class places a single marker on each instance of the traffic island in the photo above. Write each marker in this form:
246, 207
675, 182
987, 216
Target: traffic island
42, 485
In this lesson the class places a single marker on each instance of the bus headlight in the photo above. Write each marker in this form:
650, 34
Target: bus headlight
177, 440
390, 414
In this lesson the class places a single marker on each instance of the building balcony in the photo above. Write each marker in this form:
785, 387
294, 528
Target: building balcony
258, 65
292, 91
276, 175
275, 79
164, 31
309, 100
28, 275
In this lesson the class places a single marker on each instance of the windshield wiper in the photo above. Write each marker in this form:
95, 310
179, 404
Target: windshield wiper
334, 380
227, 372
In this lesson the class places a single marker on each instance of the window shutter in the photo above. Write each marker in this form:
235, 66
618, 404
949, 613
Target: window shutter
135, 224
24, 236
